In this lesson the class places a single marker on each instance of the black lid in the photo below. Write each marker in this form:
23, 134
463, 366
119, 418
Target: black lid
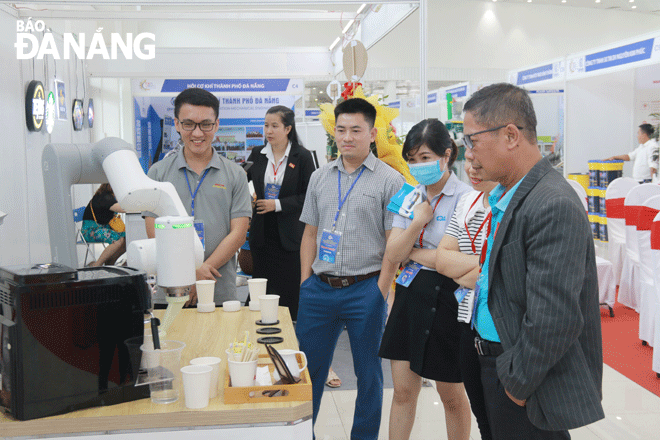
38, 273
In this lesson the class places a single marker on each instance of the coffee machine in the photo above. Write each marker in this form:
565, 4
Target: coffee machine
70, 338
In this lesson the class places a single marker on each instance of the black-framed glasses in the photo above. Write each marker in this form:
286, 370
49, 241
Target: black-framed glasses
205, 126
468, 137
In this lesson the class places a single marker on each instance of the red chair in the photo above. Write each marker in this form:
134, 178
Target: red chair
616, 192
629, 285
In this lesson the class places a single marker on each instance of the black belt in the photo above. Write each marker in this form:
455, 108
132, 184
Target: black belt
487, 348
339, 282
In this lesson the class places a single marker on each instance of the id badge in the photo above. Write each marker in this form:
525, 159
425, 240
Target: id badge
272, 191
409, 273
199, 228
329, 246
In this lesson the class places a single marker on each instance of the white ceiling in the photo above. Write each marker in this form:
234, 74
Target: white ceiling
290, 6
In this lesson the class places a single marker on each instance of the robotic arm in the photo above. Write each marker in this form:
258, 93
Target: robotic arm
115, 161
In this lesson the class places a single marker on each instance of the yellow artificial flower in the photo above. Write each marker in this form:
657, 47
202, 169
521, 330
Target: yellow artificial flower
387, 144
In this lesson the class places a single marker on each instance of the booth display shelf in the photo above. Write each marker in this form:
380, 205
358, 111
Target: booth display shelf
205, 334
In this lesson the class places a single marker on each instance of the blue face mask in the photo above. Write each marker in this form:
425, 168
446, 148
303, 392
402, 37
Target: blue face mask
426, 173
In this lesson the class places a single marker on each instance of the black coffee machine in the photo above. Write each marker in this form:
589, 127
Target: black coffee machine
70, 338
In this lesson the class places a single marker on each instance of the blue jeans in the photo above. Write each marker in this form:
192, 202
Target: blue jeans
322, 313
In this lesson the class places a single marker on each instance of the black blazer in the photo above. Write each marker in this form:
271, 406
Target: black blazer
299, 168
543, 296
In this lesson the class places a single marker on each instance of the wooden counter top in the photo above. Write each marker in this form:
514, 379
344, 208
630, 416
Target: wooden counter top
205, 334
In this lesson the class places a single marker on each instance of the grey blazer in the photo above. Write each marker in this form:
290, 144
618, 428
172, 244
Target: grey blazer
543, 297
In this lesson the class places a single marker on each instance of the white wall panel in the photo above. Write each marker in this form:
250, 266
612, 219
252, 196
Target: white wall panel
599, 119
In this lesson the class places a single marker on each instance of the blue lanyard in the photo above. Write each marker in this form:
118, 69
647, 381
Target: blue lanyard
341, 202
192, 204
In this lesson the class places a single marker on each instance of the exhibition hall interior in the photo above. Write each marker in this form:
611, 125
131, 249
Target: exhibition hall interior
88, 89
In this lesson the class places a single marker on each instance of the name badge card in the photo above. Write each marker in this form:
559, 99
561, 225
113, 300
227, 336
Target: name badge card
329, 246
199, 228
272, 191
409, 273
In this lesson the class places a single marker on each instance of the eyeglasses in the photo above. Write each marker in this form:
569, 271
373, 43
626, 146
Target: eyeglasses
205, 126
468, 137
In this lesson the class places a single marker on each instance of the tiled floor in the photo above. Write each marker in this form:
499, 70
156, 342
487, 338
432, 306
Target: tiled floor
631, 412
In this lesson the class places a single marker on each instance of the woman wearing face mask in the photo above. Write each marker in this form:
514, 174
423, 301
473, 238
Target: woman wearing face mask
281, 170
422, 334
458, 257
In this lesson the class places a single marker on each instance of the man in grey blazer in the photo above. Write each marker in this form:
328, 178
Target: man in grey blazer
537, 315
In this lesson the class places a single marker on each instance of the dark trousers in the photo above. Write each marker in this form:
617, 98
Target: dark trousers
508, 420
471, 375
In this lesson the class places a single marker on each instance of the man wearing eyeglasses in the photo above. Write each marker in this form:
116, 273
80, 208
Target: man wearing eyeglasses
213, 189
537, 317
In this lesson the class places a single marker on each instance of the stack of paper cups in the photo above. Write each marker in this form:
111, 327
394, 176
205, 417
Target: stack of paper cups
256, 287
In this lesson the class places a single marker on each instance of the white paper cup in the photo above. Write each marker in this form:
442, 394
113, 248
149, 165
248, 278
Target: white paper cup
205, 289
231, 306
257, 287
269, 305
196, 380
242, 374
213, 362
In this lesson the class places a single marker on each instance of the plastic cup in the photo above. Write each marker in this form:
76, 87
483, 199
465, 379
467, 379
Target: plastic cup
196, 379
205, 289
214, 363
242, 374
256, 287
269, 305
164, 370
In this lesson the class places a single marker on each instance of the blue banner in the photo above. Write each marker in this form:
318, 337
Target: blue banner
534, 75
432, 97
629, 53
458, 92
233, 85
312, 113
395, 104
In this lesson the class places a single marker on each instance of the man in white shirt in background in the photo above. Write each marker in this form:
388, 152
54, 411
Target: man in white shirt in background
644, 157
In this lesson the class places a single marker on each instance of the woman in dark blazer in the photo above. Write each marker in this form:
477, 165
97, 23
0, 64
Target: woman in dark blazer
280, 172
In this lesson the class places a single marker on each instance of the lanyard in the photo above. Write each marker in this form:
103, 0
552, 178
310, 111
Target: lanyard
341, 202
472, 240
276, 169
484, 249
192, 204
421, 236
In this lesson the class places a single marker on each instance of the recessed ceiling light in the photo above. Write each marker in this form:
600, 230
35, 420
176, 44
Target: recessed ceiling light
632, 1
597, 1
634, 7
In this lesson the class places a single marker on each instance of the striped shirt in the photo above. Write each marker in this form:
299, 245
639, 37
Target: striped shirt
363, 219
470, 210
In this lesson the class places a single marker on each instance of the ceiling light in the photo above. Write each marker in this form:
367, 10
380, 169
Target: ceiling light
632, 1
337, 40
563, 1
597, 1
348, 26
361, 8
634, 7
